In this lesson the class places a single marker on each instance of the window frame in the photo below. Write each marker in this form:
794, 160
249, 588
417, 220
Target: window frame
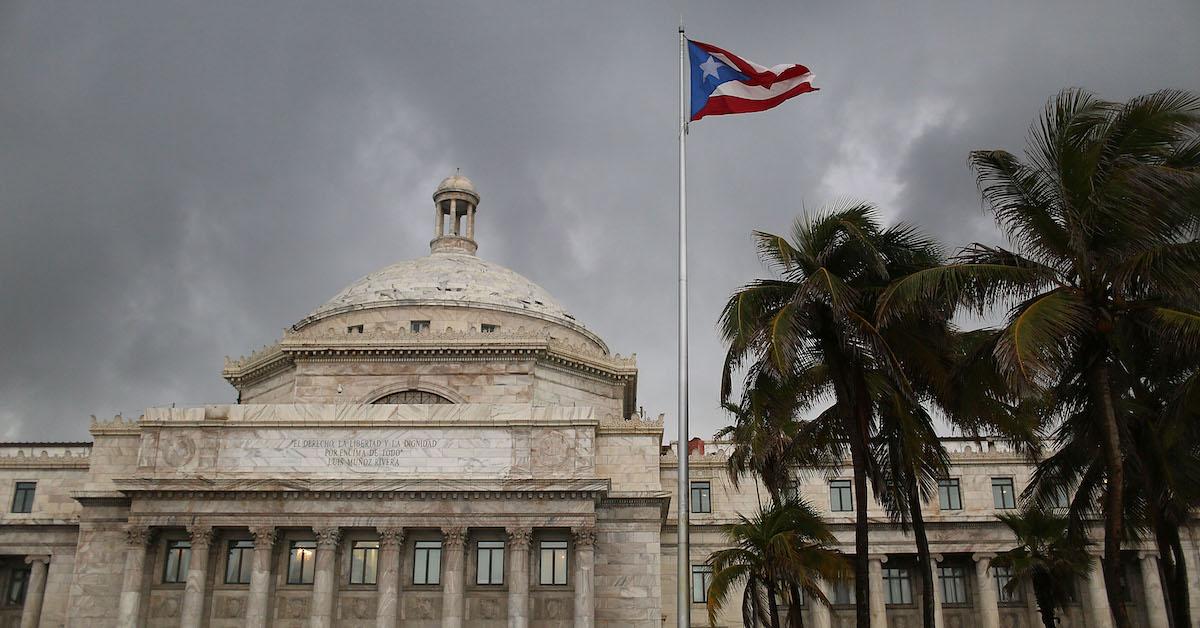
20, 579
24, 493
554, 546
843, 592
489, 328
944, 487
490, 548
1002, 573
703, 505
239, 547
416, 327
358, 573
182, 549
958, 579
840, 485
700, 593
897, 579
307, 561
1000, 501
431, 549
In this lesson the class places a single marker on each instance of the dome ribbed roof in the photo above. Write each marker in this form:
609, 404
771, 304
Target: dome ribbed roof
452, 279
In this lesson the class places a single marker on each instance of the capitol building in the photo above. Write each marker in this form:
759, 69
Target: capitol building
442, 444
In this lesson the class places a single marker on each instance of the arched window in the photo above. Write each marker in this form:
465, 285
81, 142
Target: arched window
409, 397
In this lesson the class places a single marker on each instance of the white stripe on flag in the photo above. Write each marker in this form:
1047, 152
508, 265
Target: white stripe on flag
729, 62
757, 92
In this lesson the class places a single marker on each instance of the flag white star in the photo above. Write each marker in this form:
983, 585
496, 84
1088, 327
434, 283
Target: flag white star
711, 68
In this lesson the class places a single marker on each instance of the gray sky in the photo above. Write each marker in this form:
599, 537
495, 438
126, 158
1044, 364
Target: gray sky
180, 181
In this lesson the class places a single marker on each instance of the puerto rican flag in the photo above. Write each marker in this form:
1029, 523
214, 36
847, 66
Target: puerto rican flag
723, 82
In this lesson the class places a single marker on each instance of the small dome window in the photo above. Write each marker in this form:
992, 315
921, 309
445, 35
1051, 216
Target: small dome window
412, 397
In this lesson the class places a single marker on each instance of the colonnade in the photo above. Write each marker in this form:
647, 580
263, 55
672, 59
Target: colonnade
324, 586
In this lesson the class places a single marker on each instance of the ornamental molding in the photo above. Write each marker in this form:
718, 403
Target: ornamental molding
327, 536
584, 536
454, 537
634, 424
138, 536
201, 535
390, 537
116, 426
47, 460
519, 538
450, 345
264, 536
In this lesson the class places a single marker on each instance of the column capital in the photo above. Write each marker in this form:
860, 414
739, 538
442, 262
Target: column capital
390, 536
879, 558
38, 558
201, 535
1144, 554
264, 536
454, 537
519, 538
138, 535
327, 536
937, 558
982, 556
585, 536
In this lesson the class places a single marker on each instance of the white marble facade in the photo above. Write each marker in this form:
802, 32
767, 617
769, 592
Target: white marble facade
440, 444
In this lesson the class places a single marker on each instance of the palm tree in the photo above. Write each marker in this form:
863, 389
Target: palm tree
784, 547
1048, 556
814, 327
1103, 218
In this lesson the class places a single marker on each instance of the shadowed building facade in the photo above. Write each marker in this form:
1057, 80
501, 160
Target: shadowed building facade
441, 444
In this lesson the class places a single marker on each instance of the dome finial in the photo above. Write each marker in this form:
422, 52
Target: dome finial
454, 198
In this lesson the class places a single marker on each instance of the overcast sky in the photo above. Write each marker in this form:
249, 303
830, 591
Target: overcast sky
180, 181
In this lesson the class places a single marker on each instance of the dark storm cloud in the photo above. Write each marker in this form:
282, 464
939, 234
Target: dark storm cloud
180, 181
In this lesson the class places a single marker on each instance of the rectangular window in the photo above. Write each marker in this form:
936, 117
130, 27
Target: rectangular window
841, 496
17, 585
417, 327
23, 496
954, 584
427, 562
949, 494
238, 562
302, 558
488, 328
701, 497
354, 329
364, 562
175, 567
843, 592
701, 578
1003, 576
897, 586
1003, 495
553, 562
489, 568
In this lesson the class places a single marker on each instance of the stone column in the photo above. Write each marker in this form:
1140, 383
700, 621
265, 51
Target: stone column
1193, 573
454, 216
876, 601
935, 566
1156, 606
192, 614
820, 612
1098, 613
387, 611
585, 595
438, 226
31, 614
518, 577
324, 576
137, 539
259, 601
471, 222
453, 559
989, 608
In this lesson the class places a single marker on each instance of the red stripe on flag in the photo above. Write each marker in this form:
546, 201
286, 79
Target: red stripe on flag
721, 105
765, 79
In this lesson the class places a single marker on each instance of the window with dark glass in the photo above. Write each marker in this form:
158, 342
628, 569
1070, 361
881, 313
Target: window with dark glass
1003, 576
489, 563
354, 329
417, 327
238, 562
302, 556
949, 494
18, 583
701, 500
488, 328
701, 578
843, 592
175, 567
364, 562
427, 562
954, 584
23, 496
841, 496
897, 586
412, 397
1003, 494
553, 563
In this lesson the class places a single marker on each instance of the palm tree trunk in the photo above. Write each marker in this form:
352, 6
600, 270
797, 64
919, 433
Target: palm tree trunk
1173, 568
1045, 603
773, 604
1114, 499
862, 561
795, 619
924, 560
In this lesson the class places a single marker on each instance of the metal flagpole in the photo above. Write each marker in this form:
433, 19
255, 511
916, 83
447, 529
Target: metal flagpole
683, 603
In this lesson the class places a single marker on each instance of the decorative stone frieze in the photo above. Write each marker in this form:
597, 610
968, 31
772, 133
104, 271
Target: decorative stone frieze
327, 536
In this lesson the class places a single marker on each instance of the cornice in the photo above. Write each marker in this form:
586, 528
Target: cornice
45, 460
364, 489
